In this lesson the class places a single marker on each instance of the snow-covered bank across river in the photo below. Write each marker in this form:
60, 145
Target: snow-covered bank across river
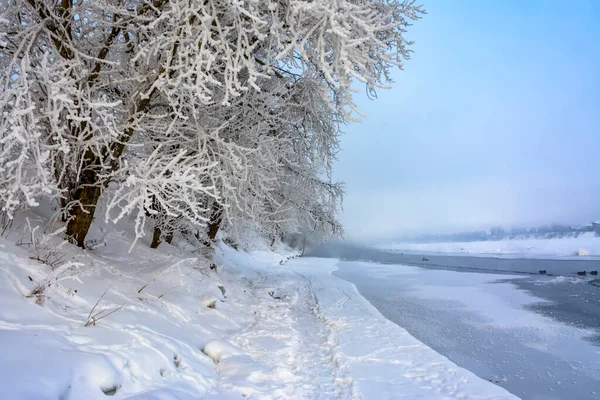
586, 244
253, 329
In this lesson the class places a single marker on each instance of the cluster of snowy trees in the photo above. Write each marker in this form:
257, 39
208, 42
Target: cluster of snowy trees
502, 233
189, 116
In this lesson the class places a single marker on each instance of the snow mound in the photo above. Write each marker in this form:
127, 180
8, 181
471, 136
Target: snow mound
208, 300
581, 252
219, 349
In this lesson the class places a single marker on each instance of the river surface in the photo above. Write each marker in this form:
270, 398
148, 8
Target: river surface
536, 335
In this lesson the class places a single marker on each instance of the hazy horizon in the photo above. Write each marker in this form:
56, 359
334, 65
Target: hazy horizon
493, 122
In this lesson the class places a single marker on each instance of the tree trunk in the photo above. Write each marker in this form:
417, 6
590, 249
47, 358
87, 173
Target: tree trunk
82, 214
216, 217
158, 235
90, 187
155, 238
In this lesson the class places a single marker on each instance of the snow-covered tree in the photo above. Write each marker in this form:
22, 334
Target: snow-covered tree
195, 113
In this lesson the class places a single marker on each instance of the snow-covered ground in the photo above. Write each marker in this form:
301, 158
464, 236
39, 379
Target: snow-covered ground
585, 245
252, 329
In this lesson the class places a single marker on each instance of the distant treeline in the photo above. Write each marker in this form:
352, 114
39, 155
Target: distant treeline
499, 233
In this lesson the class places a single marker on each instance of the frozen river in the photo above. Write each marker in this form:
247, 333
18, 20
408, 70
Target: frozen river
537, 336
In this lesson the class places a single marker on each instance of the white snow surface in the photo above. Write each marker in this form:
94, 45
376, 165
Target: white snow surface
586, 244
290, 331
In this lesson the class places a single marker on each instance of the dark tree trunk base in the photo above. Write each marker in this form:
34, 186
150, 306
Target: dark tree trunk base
215, 221
158, 235
155, 238
82, 216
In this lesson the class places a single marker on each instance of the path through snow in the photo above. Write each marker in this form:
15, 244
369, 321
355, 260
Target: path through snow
332, 343
289, 334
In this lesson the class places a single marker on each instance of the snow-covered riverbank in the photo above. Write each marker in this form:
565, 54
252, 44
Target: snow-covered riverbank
536, 336
585, 245
254, 329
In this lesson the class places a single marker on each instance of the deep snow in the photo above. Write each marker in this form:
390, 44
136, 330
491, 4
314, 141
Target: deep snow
586, 244
252, 329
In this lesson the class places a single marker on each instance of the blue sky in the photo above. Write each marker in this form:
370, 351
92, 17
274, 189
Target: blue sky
494, 121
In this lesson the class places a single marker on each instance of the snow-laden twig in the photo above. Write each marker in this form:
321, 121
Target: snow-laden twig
43, 247
68, 270
164, 271
94, 317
